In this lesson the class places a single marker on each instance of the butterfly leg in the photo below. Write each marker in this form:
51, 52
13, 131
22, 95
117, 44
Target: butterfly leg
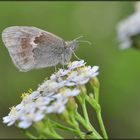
63, 67
55, 68
75, 55
63, 58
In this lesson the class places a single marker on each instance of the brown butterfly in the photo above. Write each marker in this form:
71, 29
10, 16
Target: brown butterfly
33, 48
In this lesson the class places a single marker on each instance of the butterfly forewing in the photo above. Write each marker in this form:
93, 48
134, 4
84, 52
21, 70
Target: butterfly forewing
30, 47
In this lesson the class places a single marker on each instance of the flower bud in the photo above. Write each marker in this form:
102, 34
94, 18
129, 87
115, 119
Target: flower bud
71, 105
95, 82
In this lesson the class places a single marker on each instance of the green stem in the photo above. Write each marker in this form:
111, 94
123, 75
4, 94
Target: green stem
58, 125
98, 112
88, 126
39, 127
92, 102
29, 135
99, 116
50, 129
96, 91
74, 123
52, 133
83, 104
97, 108
46, 129
55, 134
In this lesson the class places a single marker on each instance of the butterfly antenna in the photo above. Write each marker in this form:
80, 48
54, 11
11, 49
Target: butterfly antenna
85, 41
79, 37
75, 54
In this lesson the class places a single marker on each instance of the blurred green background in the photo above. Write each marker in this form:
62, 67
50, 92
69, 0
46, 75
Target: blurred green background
119, 70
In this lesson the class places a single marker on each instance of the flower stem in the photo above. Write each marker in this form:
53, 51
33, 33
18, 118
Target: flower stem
29, 135
55, 134
96, 91
52, 133
46, 129
50, 129
88, 126
82, 101
60, 126
75, 124
94, 102
83, 104
98, 112
101, 124
97, 108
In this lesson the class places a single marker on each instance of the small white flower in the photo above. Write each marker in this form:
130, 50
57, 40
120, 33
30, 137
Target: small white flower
77, 80
90, 71
29, 107
59, 74
61, 98
72, 75
24, 124
71, 92
82, 76
35, 94
12, 117
50, 86
19, 106
57, 107
9, 120
76, 64
41, 101
27, 119
67, 93
127, 29
27, 98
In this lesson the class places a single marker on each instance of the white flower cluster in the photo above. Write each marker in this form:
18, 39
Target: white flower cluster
128, 28
52, 95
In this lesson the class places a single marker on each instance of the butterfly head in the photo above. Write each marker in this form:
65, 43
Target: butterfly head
72, 44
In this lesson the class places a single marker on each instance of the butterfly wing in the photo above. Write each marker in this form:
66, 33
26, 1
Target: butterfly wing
31, 47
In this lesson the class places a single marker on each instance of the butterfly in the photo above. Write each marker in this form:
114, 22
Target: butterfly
33, 48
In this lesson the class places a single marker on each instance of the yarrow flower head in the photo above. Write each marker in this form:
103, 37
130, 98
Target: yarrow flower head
129, 30
52, 96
